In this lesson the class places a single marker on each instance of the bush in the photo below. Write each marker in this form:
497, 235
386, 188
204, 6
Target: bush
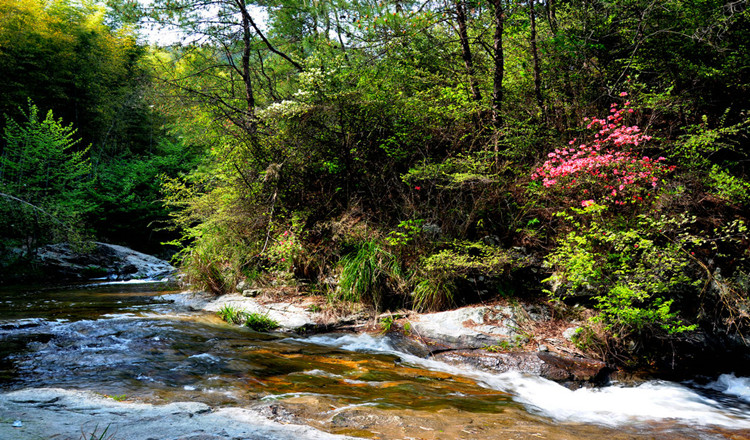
641, 274
438, 273
605, 171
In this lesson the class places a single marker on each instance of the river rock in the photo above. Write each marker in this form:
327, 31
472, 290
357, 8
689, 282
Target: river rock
572, 371
102, 261
64, 414
251, 293
467, 327
570, 332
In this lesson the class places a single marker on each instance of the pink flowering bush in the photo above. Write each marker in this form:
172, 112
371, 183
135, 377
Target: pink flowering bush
606, 170
284, 250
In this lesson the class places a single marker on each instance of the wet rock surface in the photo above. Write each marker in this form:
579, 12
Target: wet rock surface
63, 414
484, 337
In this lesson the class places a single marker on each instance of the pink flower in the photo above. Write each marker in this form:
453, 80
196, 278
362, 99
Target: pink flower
623, 93
417, 188
587, 203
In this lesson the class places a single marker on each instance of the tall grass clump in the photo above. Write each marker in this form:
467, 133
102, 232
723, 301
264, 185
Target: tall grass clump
433, 294
441, 273
370, 274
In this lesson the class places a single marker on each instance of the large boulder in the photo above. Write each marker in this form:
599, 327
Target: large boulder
467, 327
63, 261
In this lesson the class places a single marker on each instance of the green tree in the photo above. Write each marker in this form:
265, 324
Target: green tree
63, 56
43, 180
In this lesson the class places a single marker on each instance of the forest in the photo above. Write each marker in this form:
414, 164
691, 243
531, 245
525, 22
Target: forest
396, 153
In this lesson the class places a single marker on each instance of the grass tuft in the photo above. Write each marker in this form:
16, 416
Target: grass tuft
260, 323
232, 314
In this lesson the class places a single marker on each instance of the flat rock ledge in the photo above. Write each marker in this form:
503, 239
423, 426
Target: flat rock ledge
296, 317
468, 327
52, 413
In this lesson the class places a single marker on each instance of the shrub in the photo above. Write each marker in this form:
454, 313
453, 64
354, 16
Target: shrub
439, 272
640, 275
604, 171
433, 294
728, 187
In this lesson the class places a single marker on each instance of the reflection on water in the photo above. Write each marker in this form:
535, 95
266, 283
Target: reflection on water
125, 340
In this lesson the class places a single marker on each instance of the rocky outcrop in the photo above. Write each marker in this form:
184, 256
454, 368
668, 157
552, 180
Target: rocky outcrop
62, 261
568, 370
296, 315
289, 316
495, 338
467, 327
55, 413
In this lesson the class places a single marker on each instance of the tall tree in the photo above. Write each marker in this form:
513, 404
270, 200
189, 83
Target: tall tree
63, 56
224, 43
535, 59
43, 178
463, 35
498, 20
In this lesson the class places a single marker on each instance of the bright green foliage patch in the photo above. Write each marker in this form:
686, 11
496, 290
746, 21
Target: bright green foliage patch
232, 314
255, 321
636, 271
439, 272
260, 323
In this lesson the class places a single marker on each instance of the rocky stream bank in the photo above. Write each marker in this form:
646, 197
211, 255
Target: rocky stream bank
508, 339
496, 338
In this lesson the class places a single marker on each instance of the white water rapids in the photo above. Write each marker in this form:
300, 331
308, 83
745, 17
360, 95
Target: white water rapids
609, 406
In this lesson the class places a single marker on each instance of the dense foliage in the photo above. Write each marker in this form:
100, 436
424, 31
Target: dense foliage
412, 154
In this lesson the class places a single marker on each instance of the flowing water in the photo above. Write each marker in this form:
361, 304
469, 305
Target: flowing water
125, 340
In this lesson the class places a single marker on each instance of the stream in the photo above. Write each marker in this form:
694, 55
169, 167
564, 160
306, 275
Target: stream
125, 341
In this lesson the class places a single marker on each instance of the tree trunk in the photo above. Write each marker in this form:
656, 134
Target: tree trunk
466, 50
250, 121
551, 17
535, 58
497, 77
497, 53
